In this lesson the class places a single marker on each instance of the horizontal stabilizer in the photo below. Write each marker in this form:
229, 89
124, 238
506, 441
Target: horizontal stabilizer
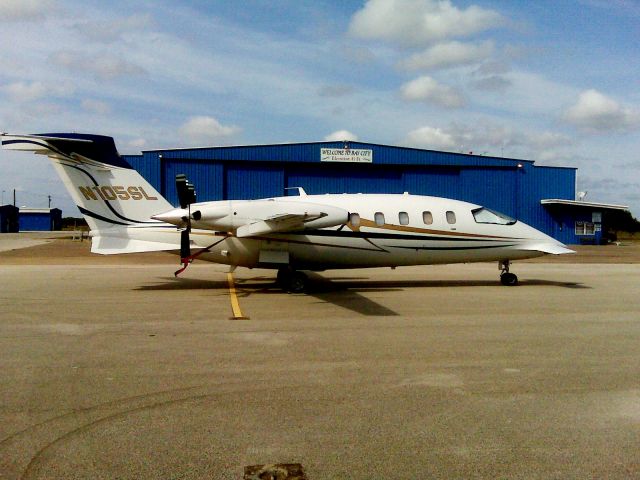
114, 245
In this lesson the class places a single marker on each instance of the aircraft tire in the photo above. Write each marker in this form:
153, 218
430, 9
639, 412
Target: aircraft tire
283, 278
297, 282
509, 279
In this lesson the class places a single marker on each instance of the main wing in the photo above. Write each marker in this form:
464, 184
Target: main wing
283, 222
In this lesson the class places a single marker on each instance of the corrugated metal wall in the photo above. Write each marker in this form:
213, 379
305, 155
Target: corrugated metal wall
9, 219
206, 176
35, 222
148, 165
494, 188
253, 180
345, 178
434, 181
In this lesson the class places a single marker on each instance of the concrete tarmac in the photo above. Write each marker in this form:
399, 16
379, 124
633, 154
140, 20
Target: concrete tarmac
122, 371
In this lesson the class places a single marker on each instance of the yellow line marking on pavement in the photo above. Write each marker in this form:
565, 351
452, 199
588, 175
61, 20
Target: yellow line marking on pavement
235, 305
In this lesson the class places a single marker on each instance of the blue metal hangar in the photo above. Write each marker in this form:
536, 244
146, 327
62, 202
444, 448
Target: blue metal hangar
40, 219
543, 197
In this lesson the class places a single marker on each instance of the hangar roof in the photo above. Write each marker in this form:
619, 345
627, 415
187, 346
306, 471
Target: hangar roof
37, 210
310, 152
580, 203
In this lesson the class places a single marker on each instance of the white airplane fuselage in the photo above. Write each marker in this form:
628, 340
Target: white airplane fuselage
389, 242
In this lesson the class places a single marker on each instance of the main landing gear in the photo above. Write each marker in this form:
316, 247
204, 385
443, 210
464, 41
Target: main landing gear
291, 280
506, 278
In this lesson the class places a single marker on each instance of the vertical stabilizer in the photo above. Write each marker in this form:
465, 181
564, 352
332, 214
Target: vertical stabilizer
106, 189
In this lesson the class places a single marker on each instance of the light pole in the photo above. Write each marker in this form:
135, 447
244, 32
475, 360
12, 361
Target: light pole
2, 202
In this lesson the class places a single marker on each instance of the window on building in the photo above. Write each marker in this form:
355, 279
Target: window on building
379, 218
404, 218
585, 228
451, 217
354, 219
427, 218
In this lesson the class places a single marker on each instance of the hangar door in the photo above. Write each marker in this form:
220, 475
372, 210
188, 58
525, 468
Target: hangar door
245, 181
434, 181
205, 175
345, 178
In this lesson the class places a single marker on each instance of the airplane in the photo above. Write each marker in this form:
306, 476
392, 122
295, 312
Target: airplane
290, 234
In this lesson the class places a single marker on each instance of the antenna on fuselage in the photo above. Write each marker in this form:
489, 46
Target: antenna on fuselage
301, 191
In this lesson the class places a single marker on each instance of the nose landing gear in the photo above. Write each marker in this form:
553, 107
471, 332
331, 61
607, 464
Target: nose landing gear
506, 278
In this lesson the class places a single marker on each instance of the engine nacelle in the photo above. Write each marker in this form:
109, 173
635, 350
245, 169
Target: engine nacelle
252, 217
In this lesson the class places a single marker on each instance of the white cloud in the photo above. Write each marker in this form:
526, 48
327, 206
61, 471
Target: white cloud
335, 90
491, 137
30, 91
24, 9
430, 137
203, 130
104, 66
25, 92
137, 143
529, 94
449, 54
426, 89
595, 112
493, 83
107, 31
341, 135
96, 106
420, 22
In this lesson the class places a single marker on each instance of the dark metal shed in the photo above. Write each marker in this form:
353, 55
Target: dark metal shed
40, 219
8, 219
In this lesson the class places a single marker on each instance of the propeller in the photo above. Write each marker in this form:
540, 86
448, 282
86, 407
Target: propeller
186, 196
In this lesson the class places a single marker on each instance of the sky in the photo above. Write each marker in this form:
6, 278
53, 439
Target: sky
557, 82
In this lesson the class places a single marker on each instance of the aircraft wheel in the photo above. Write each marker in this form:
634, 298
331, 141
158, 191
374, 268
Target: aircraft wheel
509, 279
283, 278
298, 282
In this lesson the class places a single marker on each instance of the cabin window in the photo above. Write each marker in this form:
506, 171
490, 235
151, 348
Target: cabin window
354, 219
404, 218
427, 218
484, 215
451, 217
379, 218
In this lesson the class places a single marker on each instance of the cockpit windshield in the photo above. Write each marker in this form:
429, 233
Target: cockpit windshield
486, 215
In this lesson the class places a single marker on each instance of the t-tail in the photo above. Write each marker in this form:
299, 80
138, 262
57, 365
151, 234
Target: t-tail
116, 201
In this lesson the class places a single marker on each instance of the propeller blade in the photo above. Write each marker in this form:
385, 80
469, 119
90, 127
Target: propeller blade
186, 196
185, 245
186, 191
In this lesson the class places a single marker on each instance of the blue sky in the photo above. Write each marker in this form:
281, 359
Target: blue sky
557, 82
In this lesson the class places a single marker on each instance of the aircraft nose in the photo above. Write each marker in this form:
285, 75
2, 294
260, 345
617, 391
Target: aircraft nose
177, 216
542, 242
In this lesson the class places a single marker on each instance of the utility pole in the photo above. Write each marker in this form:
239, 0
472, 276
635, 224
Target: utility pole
14, 197
49, 197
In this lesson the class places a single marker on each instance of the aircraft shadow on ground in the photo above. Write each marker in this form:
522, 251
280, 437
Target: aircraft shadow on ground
381, 285
323, 285
183, 283
344, 292
345, 296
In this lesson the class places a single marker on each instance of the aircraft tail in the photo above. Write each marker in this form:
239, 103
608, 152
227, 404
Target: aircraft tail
111, 195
